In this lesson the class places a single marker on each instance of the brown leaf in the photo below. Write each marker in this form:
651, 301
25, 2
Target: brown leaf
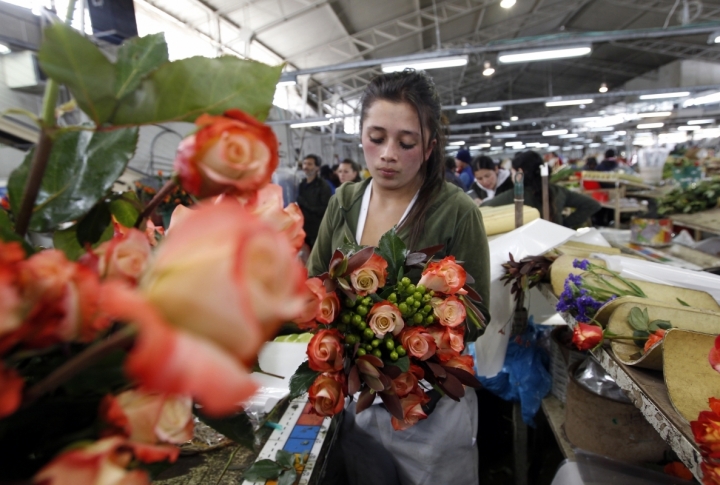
366, 398
373, 360
431, 251
392, 371
392, 403
358, 259
464, 377
436, 369
472, 293
353, 380
452, 387
373, 383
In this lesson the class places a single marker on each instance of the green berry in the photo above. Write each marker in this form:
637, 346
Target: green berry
351, 339
416, 304
403, 307
362, 310
349, 303
368, 333
409, 300
367, 301
368, 347
427, 309
430, 319
392, 298
362, 326
421, 288
377, 353
400, 350
426, 298
390, 344
357, 319
346, 318
431, 293
361, 352
375, 343
342, 327
411, 288
418, 318
394, 356
405, 281
418, 296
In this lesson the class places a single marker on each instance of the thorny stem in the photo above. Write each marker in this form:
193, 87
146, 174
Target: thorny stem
162, 193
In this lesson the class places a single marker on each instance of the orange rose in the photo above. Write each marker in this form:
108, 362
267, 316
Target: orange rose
325, 351
412, 410
326, 395
180, 212
706, 429
319, 305
385, 318
418, 342
370, 276
124, 257
449, 340
234, 151
11, 386
449, 311
655, 337
586, 336
101, 463
405, 383
714, 355
462, 362
711, 473
444, 276
153, 232
11, 308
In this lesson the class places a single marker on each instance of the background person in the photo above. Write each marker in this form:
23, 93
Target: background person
313, 196
610, 162
450, 175
490, 180
462, 163
402, 140
348, 171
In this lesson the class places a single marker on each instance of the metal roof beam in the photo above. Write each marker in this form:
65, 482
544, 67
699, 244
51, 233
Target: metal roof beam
682, 50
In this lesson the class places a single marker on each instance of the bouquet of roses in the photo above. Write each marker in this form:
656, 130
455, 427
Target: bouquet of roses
378, 333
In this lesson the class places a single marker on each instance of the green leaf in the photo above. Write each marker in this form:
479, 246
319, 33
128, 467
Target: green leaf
71, 59
5, 222
682, 302
285, 459
238, 427
287, 477
301, 380
637, 320
67, 241
656, 325
82, 167
262, 470
136, 59
126, 209
642, 337
183, 90
93, 225
403, 363
9, 235
393, 250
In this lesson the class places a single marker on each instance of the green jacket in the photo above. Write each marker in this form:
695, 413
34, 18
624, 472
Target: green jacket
584, 206
453, 220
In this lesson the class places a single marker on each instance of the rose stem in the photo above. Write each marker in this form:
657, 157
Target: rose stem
42, 152
91, 355
165, 190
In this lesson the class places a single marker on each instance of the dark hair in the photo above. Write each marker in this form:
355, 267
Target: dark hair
315, 158
418, 90
482, 162
327, 173
610, 153
356, 168
450, 163
530, 162
591, 162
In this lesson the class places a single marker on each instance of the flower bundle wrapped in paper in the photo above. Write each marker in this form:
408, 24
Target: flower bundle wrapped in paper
379, 333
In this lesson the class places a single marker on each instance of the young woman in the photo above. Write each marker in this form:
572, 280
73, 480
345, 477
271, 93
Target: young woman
348, 171
489, 179
529, 163
403, 143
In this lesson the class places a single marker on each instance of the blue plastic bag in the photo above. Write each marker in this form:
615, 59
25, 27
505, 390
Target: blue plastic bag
524, 376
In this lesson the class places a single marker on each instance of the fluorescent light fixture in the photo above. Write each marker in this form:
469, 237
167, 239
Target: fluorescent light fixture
621, 132
708, 99
654, 114
505, 123
513, 118
290, 82
4, 49
578, 147
552, 148
426, 64
649, 126
464, 101
513, 143
586, 119
603, 88
570, 102
505, 135
594, 145
480, 146
700, 122
498, 127
554, 132
495, 148
714, 38
569, 135
602, 128
537, 145
543, 54
457, 143
679, 94
688, 128
308, 124
486, 109
488, 70
507, 3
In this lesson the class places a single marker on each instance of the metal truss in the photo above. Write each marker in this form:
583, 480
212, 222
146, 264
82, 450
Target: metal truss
709, 12
682, 50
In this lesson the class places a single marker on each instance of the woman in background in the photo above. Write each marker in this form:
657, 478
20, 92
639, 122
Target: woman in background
489, 179
529, 162
348, 171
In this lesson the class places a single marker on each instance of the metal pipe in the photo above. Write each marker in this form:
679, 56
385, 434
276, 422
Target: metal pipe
519, 192
545, 192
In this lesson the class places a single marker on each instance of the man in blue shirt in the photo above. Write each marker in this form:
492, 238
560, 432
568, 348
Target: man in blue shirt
462, 162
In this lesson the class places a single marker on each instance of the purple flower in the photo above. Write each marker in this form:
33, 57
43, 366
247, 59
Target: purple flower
583, 265
587, 307
575, 279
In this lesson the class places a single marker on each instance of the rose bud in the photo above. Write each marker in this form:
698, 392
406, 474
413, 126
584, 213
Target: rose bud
444, 276
370, 276
385, 318
586, 336
231, 152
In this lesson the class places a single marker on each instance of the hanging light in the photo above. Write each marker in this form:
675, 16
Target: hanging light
489, 70
463, 102
507, 3
603, 88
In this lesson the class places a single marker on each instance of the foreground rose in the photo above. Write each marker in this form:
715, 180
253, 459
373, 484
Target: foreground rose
586, 336
326, 395
385, 318
370, 276
11, 386
445, 276
405, 383
102, 463
124, 257
462, 362
320, 305
711, 472
706, 429
325, 351
449, 311
234, 151
148, 419
412, 410
418, 342
11, 310
655, 337
714, 355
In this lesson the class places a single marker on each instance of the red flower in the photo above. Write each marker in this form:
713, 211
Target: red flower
444, 276
234, 151
677, 469
418, 342
711, 473
714, 356
326, 395
325, 351
405, 383
586, 336
319, 305
462, 362
654, 338
11, 385
412, 410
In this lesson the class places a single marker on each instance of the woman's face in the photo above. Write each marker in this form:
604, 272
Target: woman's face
345, 173
487, 178
392, 145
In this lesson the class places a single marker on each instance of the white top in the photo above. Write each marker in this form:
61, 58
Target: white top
364, 210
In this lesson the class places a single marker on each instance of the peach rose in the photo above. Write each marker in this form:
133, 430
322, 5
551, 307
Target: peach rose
449, 340
412, 410
234, 151
267, 203
385, 318
319, 306
326, 395
153, 232
179, 213
325, 351
11, 386
370, 276
418, 342
405, 383
445, 276
124, 257
449, 311
11, 308
462, 362
101, 463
